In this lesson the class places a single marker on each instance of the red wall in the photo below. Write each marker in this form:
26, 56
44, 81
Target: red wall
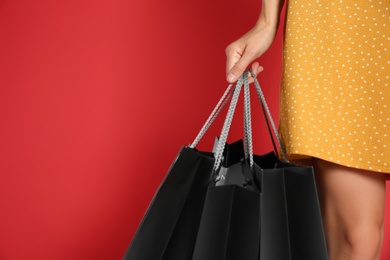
96, 98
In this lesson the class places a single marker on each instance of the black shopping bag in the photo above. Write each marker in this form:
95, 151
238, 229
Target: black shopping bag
276, 200
230, 225
279, 218
291, 223
169, 227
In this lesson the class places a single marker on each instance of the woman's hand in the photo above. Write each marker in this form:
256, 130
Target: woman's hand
245, 50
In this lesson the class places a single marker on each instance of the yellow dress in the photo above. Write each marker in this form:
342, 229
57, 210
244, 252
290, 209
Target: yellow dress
335, 92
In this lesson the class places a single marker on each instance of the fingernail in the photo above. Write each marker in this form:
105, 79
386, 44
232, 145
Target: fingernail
231, 78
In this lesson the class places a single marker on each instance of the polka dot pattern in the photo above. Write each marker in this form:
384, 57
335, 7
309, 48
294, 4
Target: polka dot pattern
335, 92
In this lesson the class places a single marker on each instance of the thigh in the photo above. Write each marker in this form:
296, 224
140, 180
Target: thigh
350, 197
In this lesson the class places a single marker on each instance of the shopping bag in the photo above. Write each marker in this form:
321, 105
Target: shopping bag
230, 222
169, 228
230, 225
291, 224
274, 214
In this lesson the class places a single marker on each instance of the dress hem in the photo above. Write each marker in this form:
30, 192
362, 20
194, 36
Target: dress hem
302, 158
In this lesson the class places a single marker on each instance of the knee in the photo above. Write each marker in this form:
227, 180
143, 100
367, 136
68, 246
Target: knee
365, 240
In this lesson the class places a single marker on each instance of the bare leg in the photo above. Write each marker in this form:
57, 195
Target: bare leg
352, 202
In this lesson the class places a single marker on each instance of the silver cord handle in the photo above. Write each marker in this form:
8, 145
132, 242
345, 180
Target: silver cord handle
269, 119
248, 142
222, 102
227, 124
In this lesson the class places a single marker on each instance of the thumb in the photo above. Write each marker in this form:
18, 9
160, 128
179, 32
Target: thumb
238, 68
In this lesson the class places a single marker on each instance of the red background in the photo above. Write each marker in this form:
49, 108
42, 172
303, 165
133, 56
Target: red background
96, 98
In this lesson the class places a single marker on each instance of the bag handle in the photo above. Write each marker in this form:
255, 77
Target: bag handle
226, 126
234, 96
228, 94
217, 109
248, 143
272, 130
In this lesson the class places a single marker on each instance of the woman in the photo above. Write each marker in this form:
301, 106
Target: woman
335, 102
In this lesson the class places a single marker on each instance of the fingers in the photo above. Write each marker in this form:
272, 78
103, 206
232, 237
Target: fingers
239, 65
231, 61
256, 68
233, 54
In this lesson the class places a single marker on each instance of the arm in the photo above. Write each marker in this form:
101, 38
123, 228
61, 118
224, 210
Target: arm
255, 42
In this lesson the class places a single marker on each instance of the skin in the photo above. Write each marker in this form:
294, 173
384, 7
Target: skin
254, 43
352, 200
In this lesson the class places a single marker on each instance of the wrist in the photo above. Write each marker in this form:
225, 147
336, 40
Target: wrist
265, 21
266, 27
